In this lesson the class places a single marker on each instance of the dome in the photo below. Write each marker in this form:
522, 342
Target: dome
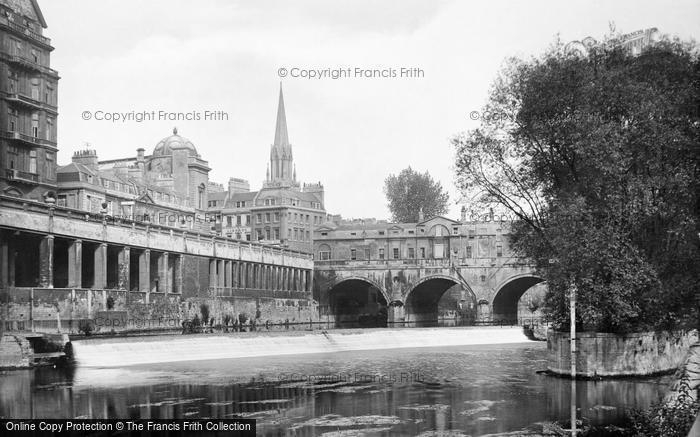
174, 141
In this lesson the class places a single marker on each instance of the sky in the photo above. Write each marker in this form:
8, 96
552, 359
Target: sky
349, 133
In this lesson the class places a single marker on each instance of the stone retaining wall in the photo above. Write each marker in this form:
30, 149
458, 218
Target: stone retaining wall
610, 355
15, 352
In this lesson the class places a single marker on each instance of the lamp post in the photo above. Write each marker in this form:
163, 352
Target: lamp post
572, 335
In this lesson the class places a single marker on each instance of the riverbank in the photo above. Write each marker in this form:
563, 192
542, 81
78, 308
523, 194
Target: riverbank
108, 352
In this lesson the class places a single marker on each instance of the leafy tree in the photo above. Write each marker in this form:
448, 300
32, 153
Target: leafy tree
409, 191
597, 157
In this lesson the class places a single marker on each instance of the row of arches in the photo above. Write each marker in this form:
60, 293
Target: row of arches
434, 301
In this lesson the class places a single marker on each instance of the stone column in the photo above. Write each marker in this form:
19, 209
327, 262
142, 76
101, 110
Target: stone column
178, 264
234, 274
100, 267
46, 262
213, 276
124, 264
75, 264
227, 274
222, 276
4, 261
164, 280
145, 271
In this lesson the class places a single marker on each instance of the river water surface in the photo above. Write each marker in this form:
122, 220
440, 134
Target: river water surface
475, 389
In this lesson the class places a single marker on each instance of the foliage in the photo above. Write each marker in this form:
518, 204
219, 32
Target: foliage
110, 303
86, 327
409, 191
204, 311
596, 156
670, 419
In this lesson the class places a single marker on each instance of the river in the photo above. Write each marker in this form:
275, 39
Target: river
470, 389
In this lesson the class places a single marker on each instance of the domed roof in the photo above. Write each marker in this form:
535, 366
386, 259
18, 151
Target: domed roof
174, 141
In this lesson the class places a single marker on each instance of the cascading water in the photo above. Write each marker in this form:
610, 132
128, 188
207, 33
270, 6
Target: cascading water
145, 350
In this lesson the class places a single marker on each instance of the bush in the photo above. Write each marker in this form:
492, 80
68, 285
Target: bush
670, 419
86, 327
204, 310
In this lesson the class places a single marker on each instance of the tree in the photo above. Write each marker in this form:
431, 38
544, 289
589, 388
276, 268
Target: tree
410, 191
596, 155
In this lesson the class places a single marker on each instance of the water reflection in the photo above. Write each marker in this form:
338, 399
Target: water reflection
472, 390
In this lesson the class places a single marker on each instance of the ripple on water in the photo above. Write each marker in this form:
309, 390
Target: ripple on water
425, 407
444, 433
479, 407
169, 401
354, 432
338, 421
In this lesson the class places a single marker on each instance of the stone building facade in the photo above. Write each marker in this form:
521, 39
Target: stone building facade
283, 212
169, 187
28, 103
438, 270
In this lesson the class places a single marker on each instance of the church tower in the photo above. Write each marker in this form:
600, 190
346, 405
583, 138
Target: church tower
281, 172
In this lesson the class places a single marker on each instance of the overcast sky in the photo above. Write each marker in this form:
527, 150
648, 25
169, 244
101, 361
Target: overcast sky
349, 133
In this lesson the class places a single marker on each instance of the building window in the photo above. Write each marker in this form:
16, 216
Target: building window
32, 161
277, 217
411, 253
324, 255
353, 254
35, 125
381, 232
229, 221
259, 218
422, 252
267, 234
267, 217
238, 220
381, 253
247, 236
353, 233
455, 231
499, 250
324, 234
50, 166
411, 232
308, 236
367, 253
396, 253
277, 233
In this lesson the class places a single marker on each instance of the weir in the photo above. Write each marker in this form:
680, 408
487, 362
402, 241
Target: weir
134, 350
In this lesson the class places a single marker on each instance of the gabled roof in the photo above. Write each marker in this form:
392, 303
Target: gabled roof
221, 195
438, 219
28, 8
75, 167
145, 198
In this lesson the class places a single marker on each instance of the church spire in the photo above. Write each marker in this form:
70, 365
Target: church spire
281, 138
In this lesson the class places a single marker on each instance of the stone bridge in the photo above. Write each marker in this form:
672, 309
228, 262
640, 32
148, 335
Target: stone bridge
409, 289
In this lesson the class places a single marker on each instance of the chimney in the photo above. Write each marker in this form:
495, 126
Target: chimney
87, 157
420, 215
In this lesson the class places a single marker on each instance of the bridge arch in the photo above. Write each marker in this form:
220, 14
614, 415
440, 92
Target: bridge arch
425, 305
357, 301
508, 294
